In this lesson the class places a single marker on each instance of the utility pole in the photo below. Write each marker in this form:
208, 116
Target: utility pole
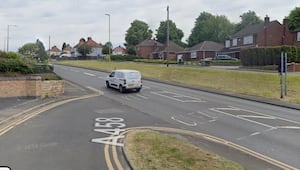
108, 33
168, 36
7, 47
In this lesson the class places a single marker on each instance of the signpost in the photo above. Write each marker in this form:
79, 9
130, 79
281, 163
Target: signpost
282, 70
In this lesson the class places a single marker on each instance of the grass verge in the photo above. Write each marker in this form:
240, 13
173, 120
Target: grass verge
241, 82
152, 150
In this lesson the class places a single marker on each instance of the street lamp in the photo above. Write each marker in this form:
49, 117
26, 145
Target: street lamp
7, 48
108, 32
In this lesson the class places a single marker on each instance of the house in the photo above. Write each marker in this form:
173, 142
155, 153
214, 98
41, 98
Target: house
54, 51
146, 47
206, 49
296, 37
119, 51
67, 49
268, 33
96, 48
166, 52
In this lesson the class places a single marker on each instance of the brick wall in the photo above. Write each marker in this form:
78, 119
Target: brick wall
294, 67
31, 86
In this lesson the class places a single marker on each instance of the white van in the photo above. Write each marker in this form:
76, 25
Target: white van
124, 80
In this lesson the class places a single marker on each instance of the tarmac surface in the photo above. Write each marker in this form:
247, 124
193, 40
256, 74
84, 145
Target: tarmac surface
11, 108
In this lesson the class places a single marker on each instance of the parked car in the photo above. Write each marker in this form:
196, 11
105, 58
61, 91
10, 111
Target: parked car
224, 57
124, 80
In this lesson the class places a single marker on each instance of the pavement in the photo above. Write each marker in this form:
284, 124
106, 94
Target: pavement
11, 108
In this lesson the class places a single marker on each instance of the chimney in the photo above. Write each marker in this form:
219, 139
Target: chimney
89, 38
286, 21
267, 19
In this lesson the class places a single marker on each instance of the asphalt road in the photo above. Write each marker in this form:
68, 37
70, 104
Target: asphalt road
270, 130
74, 135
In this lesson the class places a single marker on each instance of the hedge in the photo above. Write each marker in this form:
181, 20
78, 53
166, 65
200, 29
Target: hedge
155, 61
123, 58
15, 65
268, 55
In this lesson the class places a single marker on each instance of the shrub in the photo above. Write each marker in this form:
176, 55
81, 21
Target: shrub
268, 55
15, 65
155, 61
123, 58
43, 68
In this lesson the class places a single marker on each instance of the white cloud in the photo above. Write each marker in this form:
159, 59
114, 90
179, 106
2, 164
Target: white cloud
69, 20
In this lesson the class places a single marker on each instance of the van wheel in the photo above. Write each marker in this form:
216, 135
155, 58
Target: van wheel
107, 84
121, 89
138, 89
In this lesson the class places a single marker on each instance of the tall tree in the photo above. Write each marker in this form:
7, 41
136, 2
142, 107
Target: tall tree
138, 32
63, 46
175, 34
210, 28
248, 18
84, 50
41, 53
294, 18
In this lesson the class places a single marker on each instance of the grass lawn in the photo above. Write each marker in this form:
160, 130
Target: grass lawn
149, 150
241, 82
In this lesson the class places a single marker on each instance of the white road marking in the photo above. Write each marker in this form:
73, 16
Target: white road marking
258, 117
89, 74
175, 96
185, 123
103, 78
141, 96
248, 120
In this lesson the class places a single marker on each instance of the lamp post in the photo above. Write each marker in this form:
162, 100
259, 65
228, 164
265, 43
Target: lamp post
168, 36
7, 47
108, 32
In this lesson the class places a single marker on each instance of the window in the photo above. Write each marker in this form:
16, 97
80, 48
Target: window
248, 39
227, 43
298, 36
234, 42
194, 54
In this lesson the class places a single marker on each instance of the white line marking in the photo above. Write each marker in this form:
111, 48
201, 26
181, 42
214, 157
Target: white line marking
185, 123
89, 74
255, 133
259, 117
288, 127
102, 78
141, 96
248, 120
77, 71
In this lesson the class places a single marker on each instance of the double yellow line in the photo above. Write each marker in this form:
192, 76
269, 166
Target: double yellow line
196, 134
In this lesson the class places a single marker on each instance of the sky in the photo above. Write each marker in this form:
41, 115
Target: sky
69, 20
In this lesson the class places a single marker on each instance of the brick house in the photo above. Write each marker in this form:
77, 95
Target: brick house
67, 49
146, 47
54, 51
167, 52
268, 33
206, 49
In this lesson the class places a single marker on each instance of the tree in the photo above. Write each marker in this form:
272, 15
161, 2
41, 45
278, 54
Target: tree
63, 46
294, 19
29, 50
248, 18
175, 34
138, 32
41, 53
210, 28
84, 50
106, 47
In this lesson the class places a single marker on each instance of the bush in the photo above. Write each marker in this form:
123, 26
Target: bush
123, 58
155, 61
43, 68
268, 55
15, 65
